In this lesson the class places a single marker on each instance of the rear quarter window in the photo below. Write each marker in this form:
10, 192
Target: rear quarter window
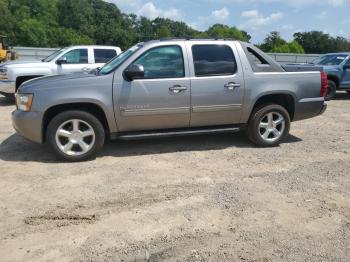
104, 55
259, 61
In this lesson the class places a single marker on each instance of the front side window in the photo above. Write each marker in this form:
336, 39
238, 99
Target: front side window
213, 60
119, 60
77, 56
54, 55
104, 55
163, 62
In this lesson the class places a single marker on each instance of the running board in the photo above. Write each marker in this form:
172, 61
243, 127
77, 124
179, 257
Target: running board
175, 132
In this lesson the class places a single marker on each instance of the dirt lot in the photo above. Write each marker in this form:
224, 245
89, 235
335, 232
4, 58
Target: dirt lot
206, 198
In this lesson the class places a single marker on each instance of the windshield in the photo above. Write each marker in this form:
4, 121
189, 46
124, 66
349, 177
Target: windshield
118, 60
330, 60
54, 55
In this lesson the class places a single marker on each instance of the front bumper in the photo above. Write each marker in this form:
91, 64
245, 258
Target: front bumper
7, 87
309, 107
28, 125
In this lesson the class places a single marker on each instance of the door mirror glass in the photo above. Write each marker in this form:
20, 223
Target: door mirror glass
134, 71
61, 60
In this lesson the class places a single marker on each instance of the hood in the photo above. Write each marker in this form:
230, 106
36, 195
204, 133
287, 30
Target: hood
24, 64
54, 81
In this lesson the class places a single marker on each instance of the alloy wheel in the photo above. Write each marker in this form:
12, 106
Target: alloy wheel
272, 126
75, 137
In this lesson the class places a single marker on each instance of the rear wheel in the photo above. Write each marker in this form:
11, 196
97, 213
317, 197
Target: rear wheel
331, 90
269, 125
75, 135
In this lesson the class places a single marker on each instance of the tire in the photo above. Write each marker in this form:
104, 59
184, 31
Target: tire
75, 136
331, 90
265, 133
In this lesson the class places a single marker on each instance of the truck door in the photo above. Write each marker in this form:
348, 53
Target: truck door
217, 83
76, 60
346, 75
161, 99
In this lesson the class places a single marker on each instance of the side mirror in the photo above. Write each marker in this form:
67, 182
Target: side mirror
346, 67
134, 72
61, 60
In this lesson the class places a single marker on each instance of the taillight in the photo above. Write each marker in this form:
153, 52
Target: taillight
324, 84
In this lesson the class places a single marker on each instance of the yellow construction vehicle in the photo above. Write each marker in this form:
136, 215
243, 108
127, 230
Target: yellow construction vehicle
6, 53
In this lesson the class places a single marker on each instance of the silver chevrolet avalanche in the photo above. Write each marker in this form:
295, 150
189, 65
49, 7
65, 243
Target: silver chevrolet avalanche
168, 87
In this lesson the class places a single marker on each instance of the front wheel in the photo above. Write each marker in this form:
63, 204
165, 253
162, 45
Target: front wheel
75, 135
269, 125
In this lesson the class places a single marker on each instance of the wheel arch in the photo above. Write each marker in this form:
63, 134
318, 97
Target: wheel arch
88, 107
335, 79
283, 99
21, 79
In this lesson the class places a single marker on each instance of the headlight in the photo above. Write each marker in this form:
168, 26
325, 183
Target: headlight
3, 73
24, 102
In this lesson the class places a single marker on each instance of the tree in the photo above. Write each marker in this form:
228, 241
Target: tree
56, 23
224, 31
318, 42
163, 32
273, 41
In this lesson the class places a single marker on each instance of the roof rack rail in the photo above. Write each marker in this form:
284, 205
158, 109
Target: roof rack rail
196, 38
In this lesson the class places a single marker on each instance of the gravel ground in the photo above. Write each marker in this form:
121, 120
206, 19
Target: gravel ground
205, 198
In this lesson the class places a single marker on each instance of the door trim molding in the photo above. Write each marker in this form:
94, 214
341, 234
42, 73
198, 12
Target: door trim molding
156, 111
216, 108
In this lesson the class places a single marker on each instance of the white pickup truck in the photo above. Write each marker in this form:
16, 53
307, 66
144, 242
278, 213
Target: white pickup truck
64, 61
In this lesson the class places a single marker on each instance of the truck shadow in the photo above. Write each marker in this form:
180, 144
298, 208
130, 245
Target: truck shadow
4, 101
16, 148
342, 96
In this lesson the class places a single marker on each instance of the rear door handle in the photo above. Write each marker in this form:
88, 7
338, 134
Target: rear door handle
177, 89
232, 86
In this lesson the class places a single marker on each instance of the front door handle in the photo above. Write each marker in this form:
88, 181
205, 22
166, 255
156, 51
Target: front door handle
232, 86
85, 69
177, 89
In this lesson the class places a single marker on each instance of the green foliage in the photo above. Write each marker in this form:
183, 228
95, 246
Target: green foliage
224, 31
55, 23
273, 41
291, 47
318, 42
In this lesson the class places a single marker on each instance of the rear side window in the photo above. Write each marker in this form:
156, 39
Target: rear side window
104, 55
213, 60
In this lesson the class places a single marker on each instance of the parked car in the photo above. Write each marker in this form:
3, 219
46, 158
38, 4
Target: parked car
168, 88
337, 67
67, 60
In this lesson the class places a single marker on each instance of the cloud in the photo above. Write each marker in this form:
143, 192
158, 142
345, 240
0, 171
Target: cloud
216, 16
148, 9
294, 3
221, 14
151, 11
255, 19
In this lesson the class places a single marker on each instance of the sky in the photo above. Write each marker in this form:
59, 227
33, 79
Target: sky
257, 17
